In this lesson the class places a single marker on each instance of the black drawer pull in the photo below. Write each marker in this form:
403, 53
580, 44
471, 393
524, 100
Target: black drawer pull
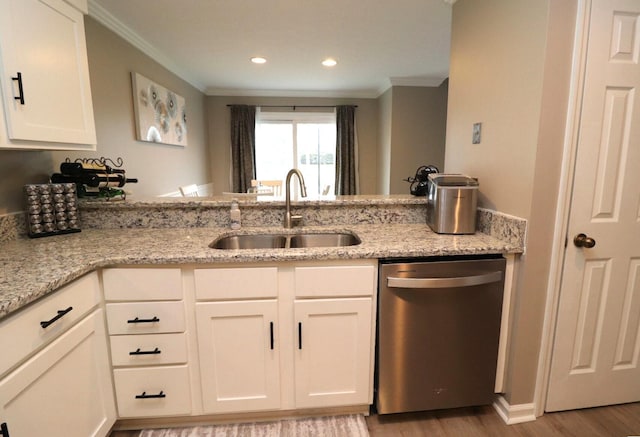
139, 352
137, 320
4, 430
18, 78
300, 335
144, 395
60, 314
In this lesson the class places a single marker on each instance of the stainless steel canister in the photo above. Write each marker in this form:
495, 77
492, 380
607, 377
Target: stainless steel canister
452, 200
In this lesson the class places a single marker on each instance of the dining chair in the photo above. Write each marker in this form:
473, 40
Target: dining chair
267, 186
189, 190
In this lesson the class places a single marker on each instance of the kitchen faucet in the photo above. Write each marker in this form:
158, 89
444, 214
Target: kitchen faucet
289, 220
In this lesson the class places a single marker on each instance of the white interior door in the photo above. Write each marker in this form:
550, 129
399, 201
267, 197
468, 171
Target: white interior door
595, 353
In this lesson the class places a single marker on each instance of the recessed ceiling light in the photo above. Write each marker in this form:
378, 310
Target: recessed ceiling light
258, 60
329, 62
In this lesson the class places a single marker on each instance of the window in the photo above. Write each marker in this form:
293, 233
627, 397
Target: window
307, 141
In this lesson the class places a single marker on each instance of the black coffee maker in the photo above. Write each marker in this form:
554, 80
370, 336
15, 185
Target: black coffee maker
419, 181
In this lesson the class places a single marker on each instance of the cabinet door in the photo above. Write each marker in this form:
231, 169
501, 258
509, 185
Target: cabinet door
333, 352
44, 41
239, 363
65, 390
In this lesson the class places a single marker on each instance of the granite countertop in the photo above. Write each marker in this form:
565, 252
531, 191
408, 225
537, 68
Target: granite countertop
32, 268
252, 200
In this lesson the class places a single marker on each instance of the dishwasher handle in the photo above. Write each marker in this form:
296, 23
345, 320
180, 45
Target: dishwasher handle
463, 281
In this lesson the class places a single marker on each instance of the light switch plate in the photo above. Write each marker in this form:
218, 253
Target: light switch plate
477, 130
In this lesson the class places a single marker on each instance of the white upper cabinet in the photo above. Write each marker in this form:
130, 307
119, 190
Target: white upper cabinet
45, 77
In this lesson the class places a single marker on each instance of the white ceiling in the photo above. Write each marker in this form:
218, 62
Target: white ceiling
377, 43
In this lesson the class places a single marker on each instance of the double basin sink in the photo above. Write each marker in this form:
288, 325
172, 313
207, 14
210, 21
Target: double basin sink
285, 241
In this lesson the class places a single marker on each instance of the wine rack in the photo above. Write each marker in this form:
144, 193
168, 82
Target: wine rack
94, 177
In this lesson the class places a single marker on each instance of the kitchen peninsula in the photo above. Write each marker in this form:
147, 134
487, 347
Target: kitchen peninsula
165, 324
178, 231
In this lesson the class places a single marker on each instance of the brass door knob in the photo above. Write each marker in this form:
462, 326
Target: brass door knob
581, 240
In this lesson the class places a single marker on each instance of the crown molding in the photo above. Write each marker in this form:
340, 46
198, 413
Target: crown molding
354, 94
104, 17
416, 81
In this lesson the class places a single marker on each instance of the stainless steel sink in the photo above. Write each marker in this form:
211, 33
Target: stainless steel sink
278, 241
324, 240
258, 241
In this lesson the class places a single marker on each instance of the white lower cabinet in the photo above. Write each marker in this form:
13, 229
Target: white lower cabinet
299, 337
239, 362
65, 389
270, 337
333, 352
147, 325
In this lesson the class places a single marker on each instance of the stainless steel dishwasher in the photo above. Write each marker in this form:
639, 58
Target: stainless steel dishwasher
438, 333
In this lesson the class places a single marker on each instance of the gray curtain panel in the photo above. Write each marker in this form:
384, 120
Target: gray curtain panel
346, 153
243, 147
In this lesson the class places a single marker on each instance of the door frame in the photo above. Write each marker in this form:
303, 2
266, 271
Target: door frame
563, 206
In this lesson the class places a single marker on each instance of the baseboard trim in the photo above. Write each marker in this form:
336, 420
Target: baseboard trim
512, 414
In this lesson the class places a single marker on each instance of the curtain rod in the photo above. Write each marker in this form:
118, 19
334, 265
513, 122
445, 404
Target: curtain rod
298, 106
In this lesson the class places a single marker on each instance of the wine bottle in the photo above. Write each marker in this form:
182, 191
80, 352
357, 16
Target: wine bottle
75, 168
94, 180
103, 180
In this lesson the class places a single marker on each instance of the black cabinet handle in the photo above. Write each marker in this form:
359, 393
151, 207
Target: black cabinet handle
271, 333
137, 320
20, 90
139, 352
4, 430
60, 314
144, 395
299, 335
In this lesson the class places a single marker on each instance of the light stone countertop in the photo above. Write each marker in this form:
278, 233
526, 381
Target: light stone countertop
252, 200
32, 268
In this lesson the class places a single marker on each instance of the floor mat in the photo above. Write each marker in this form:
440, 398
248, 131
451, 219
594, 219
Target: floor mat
332, 426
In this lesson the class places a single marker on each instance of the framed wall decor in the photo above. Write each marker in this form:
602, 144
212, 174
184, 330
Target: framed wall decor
160, 113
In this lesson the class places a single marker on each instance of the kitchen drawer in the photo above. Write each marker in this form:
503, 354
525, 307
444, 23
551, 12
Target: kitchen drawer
145, 317
236, 283
22, 333
330, 281
152, 392
150, 349
142, 284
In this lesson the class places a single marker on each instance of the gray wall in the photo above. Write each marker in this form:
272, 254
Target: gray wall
510, 70
17, 169
412, 125
219, 140
418, 128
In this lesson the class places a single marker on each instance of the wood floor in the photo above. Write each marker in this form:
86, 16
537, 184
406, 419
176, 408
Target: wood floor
620, 420
616, 421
